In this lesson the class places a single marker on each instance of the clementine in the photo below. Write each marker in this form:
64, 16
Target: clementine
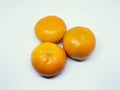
48, 59
79, 42
50, 29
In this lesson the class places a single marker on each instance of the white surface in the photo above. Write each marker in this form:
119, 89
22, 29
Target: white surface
17, 40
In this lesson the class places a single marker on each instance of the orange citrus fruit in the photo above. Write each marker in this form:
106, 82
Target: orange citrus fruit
48, 59
79, 42
50, 29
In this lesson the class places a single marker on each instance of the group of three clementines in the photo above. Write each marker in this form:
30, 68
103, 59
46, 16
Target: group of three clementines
48, 58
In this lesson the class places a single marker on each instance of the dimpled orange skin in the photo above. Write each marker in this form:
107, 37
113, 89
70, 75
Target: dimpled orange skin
48, 59
79, 42
50, 29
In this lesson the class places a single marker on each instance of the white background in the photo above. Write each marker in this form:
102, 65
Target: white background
101, 71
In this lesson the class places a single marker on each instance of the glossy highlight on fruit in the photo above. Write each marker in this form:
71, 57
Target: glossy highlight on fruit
48, 59
79, 42
50, 29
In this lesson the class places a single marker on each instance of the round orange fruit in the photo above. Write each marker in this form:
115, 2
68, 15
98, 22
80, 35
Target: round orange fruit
79, 42
48, 59
50, 29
